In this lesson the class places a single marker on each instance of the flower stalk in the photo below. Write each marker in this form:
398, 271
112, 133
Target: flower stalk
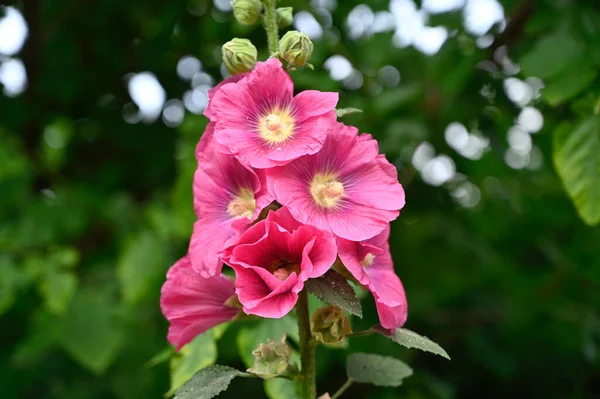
270, 24
307, 348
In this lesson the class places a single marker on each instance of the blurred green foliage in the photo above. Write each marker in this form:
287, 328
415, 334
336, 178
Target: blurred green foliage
93, 210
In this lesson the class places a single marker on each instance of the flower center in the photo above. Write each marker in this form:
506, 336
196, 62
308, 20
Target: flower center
276, 127
283, 268
368, 260
326, 190
242, 205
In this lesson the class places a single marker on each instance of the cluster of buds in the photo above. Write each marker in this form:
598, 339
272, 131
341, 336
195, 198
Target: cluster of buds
240, 55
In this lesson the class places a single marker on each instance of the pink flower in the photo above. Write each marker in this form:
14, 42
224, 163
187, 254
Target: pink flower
370, 262
346, 188
227, 198
192, 303
274, 258
211, 93
263, 125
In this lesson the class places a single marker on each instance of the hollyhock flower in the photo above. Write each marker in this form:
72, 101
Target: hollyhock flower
211, 93
228, 196
370, 262
192, 303
346, 188
260, 121
274, 258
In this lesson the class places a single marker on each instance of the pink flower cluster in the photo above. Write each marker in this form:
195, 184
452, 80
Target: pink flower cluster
335, 196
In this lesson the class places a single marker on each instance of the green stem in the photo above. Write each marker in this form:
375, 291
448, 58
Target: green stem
342, 389
270, 23
307, 348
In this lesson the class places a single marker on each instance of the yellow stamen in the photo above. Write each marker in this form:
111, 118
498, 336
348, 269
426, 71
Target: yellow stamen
242, 205
326, 190
276, 127
368, 260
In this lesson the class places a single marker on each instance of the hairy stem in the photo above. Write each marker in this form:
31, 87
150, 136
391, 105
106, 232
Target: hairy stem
270, 23
307, 348
342, 389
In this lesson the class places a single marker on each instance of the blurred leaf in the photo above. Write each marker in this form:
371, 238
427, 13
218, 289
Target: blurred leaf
249, 337
208, 383
160, 357
90, 332
142, 264
12, 279
56, 136
577, 160
340, 112
411, 339
334, 289
392, 99
377, 370
57, 289
568, 85
198, 354
551, 55
279, 388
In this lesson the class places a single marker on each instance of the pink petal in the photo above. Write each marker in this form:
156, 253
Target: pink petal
311, 103
194, 304
391, 317
269, 85
358, 222
211, 93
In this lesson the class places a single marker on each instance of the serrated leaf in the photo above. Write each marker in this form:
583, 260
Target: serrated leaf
142, 264
90, 332
577, 160
335, 290
207, 383
377, 370
250, 337
340, 112
411, 339
196, 355
551, 55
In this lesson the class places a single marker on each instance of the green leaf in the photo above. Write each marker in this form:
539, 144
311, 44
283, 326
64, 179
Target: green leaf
207, 383
334, 289
340, 112
57, 289
250, 337
142, 264
278, 388
91, 334
551, 55
411, 339
577, 160
568, 85
378, 370
198, 354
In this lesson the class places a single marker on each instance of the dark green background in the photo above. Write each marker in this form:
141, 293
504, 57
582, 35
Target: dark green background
510, 287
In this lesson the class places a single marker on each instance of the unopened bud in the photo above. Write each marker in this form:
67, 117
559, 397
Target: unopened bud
295, 48
246, 12
239, 55
271, 359
285, 16
330, 325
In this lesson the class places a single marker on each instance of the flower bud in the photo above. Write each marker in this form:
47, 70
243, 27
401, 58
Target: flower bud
295, 48
271, 359
330, 325
246, 12
239, 55
285, 16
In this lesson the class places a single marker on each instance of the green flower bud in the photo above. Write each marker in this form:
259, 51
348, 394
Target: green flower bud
295, 48
271, 359
330, 325
239, 55
246, 12
285, 16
